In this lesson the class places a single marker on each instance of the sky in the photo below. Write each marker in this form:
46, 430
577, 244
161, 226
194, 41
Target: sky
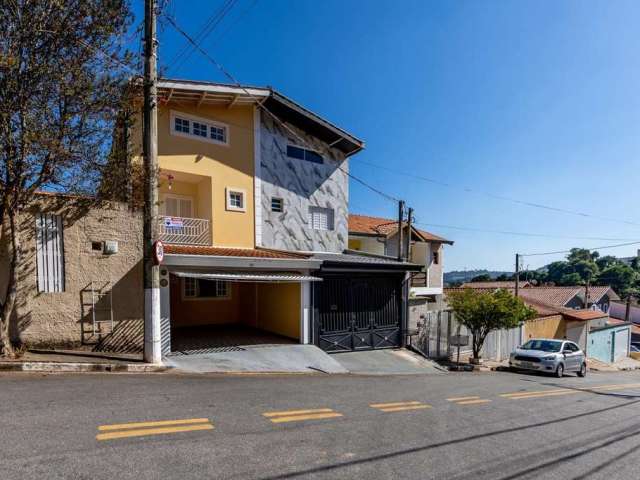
537, 101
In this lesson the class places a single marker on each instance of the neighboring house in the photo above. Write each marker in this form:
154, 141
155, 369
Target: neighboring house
255, 225
618, 311
80, 279
379, 236
600, 297
552, 321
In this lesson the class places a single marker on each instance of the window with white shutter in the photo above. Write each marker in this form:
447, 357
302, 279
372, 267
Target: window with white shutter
49, 253
177, 206
320, 218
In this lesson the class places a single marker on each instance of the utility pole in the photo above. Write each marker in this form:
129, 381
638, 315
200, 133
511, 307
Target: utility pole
517, 273
400, 220
627, 312
152, 340
409, 222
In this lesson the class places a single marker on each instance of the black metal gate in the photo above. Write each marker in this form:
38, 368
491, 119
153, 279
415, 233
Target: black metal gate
358, 313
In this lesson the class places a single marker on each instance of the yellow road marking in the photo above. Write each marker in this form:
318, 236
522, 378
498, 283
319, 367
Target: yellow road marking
408, 407
152, 431
394, 404
311, 416
533, 392
473, 402
296, 412
299, 415
540, 395
458, 399
160, 423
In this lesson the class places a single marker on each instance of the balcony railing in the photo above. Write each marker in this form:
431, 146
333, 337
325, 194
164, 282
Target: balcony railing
184, 231
419, 279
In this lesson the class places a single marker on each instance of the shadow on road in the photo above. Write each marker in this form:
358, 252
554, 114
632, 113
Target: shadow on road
423, 448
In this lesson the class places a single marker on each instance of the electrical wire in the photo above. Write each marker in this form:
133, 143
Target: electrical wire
569, 251
523, 234
496, 196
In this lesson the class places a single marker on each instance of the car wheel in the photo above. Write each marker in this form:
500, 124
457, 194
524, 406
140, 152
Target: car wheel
560, 371
583, 370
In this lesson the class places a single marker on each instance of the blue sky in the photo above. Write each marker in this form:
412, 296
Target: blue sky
535, 100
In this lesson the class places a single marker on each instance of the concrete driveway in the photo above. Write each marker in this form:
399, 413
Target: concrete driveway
387, 362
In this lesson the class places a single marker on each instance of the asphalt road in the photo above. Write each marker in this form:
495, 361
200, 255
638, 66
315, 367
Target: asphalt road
494, 426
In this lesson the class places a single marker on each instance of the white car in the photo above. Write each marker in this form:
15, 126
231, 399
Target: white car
551, 356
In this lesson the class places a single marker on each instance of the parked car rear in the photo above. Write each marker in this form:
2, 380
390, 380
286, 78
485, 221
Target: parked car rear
550, 356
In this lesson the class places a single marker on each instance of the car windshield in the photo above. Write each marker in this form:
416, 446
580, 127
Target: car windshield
543, 345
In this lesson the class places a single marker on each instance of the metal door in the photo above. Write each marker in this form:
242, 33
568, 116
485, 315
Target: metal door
358, 313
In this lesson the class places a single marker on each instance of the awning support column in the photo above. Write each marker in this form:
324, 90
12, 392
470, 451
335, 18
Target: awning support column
305, 312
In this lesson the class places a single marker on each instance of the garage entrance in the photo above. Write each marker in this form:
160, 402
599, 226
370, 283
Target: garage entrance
358, 312
230, 311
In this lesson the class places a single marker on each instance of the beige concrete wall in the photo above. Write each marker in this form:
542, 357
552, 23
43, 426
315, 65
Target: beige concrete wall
218, 166
58, 319
545, 327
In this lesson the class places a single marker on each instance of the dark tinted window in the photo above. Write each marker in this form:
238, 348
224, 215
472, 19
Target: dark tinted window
543, 345
313, 157
295, 152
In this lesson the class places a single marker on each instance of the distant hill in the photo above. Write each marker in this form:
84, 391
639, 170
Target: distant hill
461, 276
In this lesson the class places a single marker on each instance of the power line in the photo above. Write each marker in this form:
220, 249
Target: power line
569, 251
227, 74
209, 26
523, 234
498, 197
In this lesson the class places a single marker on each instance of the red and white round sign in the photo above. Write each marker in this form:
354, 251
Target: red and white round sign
158, 252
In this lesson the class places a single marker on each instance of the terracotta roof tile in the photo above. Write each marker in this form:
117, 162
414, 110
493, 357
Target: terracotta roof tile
385, 227
495, 284
172, 249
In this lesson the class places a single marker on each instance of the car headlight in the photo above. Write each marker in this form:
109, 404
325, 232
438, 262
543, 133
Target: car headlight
549, 358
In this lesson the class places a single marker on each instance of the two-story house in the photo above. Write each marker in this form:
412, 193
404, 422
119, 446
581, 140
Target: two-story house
380, 236
254, 217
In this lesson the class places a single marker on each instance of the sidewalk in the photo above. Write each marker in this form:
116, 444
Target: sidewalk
69, 361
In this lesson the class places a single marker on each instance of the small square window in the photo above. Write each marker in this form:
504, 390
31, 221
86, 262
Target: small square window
181, 125
96, 246
277, 205
199, 129
235, 199
218, 134
320, 218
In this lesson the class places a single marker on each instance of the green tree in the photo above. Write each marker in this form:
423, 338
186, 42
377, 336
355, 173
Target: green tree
484, 312
622, 278
61, 77
606, 261
485, 277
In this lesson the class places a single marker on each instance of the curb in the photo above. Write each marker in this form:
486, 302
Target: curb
59, 367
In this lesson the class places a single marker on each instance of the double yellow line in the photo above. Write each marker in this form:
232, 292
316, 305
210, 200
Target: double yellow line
300, 415
399, 406
475, 400
139, 429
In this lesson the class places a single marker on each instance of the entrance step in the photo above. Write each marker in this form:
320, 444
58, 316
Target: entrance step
258, 359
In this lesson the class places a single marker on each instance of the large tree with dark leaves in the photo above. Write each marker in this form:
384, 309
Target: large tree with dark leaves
62, 67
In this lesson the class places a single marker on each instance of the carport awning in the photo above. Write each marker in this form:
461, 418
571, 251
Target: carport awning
248, 277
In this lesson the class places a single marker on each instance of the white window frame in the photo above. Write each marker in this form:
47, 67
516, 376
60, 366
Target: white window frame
50, 271
331, 219
241, 191
174, 196
206, 121
281, 201
196, 289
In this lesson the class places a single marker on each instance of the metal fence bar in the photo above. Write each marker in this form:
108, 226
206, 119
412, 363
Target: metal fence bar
184, 231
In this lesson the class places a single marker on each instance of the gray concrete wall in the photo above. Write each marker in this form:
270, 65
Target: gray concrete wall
59, 319
300, 184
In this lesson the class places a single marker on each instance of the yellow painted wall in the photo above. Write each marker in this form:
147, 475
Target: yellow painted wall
355, 244
546, 327
220, 166
279, 308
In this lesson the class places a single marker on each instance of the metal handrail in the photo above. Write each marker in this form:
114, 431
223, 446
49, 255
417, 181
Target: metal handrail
184, 230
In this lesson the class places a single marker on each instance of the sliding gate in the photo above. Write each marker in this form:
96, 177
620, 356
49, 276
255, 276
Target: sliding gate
358, 312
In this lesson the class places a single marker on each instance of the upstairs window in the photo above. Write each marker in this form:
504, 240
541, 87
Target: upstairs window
304, 154
181, 125
235, 199
49, 253
320, 218
198, 128
436, 258
277, 205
